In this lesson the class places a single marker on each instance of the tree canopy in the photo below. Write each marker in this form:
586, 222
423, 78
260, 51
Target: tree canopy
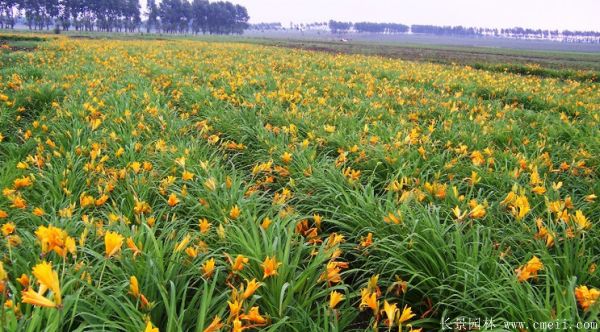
170, 16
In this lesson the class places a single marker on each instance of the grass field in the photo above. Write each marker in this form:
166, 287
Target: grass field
188, 185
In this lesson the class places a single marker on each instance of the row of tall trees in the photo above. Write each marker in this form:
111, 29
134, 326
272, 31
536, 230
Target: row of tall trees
170, 16
266, 26
104, 15
7, 17
517, 32
381, 27
443, 30
371, 27
539, 33
199, 16
340, 27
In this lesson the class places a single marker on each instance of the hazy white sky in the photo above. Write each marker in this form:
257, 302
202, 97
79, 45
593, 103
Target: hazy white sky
559, 14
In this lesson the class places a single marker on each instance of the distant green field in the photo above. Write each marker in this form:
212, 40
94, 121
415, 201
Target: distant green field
558, 64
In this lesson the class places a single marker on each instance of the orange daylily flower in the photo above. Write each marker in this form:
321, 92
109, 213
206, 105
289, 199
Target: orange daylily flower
134, 287
587, 297
239, 263
215, 325
530, 269
204, 225
335, 298
208, 268
369, 300
406, 315
254, 316
32, 297
133, 247
8, 228
150, 327
173, 200
112, 243
251, 287
234, 213
390, 311
270, 266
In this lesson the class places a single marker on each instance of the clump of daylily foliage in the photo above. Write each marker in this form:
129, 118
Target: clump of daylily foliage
191, 186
